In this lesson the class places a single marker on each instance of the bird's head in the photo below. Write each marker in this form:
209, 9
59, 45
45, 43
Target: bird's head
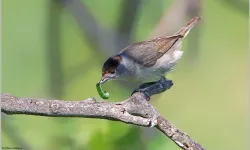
110, 69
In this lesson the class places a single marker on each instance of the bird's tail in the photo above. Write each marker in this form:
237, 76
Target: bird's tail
185, 30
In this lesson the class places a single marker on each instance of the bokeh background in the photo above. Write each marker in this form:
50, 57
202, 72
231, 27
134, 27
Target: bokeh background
55, 49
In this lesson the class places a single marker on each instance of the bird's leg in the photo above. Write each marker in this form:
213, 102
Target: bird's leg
146, 85
153, 88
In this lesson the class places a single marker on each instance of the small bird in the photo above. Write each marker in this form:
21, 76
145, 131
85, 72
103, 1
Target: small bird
147, 61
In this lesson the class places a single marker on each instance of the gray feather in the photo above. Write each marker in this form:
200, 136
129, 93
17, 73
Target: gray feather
148, 52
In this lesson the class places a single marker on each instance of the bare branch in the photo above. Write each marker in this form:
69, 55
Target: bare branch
135, 110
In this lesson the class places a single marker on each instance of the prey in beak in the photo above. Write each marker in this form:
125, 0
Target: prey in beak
109, 72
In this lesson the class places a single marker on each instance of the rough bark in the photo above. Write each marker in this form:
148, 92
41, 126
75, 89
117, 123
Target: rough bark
135, 110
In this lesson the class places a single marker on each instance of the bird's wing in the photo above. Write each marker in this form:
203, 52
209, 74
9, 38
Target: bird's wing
148, 52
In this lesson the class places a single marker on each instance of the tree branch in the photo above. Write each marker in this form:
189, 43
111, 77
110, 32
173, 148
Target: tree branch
135, 110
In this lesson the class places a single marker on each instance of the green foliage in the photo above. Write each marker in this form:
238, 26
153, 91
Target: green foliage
207, 101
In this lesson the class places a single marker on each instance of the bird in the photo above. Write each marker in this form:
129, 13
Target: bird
147, 61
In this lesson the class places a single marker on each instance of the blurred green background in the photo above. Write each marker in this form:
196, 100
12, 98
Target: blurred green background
51, 50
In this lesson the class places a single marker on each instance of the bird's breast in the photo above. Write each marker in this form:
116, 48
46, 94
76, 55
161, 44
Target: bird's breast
162, 66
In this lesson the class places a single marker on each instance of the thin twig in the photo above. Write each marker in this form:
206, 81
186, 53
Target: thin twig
135, 110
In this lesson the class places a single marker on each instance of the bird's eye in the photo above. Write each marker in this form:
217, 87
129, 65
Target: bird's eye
112, 72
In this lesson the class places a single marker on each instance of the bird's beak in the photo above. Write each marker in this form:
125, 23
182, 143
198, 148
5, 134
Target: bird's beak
104, 79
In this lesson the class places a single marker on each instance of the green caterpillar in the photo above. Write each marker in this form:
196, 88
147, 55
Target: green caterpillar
103, 94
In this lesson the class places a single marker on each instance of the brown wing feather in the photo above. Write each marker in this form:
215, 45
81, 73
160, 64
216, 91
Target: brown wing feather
148, 52
141, 52
162, 45
185, 30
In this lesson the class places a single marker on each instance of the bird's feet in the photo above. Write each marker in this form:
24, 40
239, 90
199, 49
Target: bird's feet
152, 88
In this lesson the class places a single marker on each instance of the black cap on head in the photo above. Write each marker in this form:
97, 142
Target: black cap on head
111, 64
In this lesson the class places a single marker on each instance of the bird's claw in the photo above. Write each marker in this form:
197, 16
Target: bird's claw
154, 88
143, 91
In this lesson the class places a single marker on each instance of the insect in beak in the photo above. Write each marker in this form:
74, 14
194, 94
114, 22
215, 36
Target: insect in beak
103, 94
